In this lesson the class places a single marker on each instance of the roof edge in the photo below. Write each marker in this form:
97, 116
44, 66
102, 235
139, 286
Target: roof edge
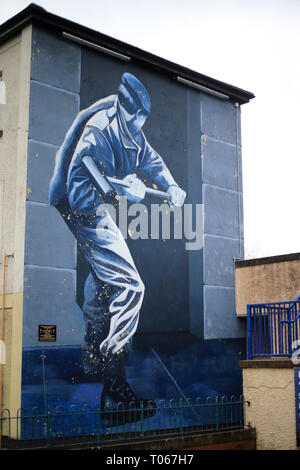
34, 13
267, 260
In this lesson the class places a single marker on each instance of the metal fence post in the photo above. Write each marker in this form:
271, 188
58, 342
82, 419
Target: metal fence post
48, 427
142, 420
98, 424
181, 416
217, 414
289, 348
249, 332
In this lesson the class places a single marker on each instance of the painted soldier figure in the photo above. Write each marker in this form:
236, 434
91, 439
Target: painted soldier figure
110, 132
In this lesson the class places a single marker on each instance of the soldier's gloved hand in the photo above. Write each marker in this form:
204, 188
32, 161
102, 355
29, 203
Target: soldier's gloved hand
177, 196
136, 191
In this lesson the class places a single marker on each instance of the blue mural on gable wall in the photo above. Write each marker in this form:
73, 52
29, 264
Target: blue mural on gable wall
113, 294
164, 298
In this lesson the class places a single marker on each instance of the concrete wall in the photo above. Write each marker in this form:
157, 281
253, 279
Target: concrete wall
273, 279
50, 249
189, 307
223, 220
15, 65
58, 85
270, 389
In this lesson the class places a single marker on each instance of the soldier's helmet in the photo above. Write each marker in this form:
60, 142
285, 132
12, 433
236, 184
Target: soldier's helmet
133, 95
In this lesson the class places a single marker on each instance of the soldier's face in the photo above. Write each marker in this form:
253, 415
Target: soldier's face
134, 122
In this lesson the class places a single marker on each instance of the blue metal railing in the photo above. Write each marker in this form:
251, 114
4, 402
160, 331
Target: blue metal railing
273, 329
82, 426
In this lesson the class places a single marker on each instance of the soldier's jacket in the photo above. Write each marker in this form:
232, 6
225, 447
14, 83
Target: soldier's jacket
99, 132
107, 140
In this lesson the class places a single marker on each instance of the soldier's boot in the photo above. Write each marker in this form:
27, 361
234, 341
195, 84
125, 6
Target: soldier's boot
120, 405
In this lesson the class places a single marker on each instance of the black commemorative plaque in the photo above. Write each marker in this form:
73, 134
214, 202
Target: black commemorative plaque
47, 333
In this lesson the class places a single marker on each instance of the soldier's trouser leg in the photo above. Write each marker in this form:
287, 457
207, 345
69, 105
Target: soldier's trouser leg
113, 293
101, 324
97, 326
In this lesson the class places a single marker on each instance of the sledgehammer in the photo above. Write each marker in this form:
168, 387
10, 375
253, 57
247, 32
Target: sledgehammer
105, 184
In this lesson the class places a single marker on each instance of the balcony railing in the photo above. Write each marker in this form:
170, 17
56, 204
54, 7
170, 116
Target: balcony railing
273, 329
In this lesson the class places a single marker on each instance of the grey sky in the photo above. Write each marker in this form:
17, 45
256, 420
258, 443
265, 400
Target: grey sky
252, 44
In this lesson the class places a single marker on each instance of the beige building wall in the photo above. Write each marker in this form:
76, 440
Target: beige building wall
15, 66
275, 279
272, 410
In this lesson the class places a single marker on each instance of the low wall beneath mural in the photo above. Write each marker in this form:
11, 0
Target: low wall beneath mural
241, 439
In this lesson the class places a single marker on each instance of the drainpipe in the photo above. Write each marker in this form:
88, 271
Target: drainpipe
2, 330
